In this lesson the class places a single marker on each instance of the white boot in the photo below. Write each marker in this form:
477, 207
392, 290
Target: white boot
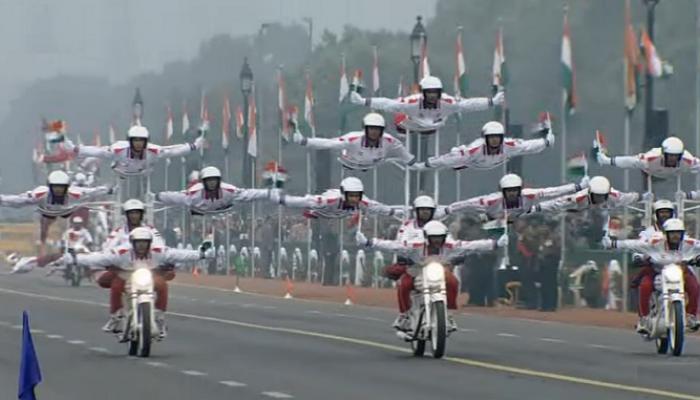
160, 324
451, 324
402, 322
643, 325
115, 323
691, 321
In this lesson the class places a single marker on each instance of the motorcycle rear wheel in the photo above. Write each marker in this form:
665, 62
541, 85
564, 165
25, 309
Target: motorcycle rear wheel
676, 332
438, 337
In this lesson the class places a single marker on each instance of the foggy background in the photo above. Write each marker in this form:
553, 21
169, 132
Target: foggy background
82, 60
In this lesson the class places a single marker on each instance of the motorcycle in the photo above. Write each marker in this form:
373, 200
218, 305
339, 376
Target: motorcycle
428, 313
139, 296
73, 273
667, 316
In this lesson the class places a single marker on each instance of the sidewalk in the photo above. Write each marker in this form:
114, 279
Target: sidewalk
387, 298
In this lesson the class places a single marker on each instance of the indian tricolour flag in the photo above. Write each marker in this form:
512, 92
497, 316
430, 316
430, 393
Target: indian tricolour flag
499, 72
652, 57
568, 70
577, 166
461, 80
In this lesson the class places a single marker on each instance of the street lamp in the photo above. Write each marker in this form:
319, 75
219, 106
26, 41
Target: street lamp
418, 38
418, 35
246, 78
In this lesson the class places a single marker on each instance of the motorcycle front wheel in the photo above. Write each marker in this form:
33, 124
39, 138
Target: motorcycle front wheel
438, 337
144, 336
76, 276
676, 332
417, 345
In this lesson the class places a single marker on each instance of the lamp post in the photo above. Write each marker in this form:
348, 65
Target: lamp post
417, 39
246, 78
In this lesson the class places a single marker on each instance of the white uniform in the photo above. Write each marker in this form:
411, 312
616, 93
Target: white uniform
330, 204
410, 232
123, 257
42, 198
652, 162
428, 119
356, 154
582, 201
123, 161
196, 198
474, 155
494, 205
119, 237
77, 238
656, 248
417, 251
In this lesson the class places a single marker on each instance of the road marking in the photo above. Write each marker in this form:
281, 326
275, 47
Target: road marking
18, 327
37, 330
600, 346
192, 372
157, 364
233, 383
99, 349
277, 395
54, 336
76, 342
467, 330
3, 323
507, 335
378, 345
551, 340
313, 311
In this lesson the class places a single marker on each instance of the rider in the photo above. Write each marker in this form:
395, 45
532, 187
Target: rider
669, 246
336, 203
598, 195
435, 242
141, 247
77, 235
490, 150
669, 159
211, 194
365, 149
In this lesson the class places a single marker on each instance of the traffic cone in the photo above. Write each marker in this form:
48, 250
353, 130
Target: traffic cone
236, 289
350, 295
288, 287
195, 271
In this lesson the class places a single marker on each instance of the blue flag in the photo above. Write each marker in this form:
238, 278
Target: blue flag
29, 373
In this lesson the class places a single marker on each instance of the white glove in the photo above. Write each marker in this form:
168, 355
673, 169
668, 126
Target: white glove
25, 264
200, 142
361, 239
606, 242
276, 195
356, 98
647, 196
603, 158
67, 259
399, 212
498, 98
502, 241
298, 138
69, 145
584, 182
550, 138
419, 166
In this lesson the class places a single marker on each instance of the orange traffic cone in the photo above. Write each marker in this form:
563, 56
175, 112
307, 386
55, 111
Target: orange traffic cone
195, 271
288, 288
350, 295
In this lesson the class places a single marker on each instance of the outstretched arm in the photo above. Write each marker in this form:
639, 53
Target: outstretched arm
180, 150
475, 204
18, 200
174, 198
337, 143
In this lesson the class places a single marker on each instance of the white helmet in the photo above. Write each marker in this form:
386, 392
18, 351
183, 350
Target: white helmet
672, 145
510, 181
599, 185
140, 233
77, 220
373, 119
434, 228
663, 205
424, 202
430, 83
137, 132
58, 178
674, 224
493, 128
133, 204
210, 172
351, 184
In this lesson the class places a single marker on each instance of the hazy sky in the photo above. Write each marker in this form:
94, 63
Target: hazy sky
118, 39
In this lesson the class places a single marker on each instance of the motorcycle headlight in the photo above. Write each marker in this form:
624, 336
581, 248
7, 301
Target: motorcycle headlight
673, 274
434, 272
142, 279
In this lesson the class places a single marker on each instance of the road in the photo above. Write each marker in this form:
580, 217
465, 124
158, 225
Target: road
244, 346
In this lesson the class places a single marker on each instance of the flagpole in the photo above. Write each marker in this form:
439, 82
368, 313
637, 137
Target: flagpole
458, 175
252, 223
341, 238
375, 195
697, 105
228, 221
436, 174
274, 182
562, 221
625, 264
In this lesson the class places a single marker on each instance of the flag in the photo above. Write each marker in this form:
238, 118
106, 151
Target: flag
424, 64
282, 105
239, 122
499, 71
461, 84
203, 113
185, 120
568, 70
652, 57
29, 371
357, 83
309, 105
169, 130
631, 61
137, 108
375, 70
252, 127
293, 117
344, 85
112, 134
577, 166
97, 140
55, 132
400, 90
225, 123
600, 143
